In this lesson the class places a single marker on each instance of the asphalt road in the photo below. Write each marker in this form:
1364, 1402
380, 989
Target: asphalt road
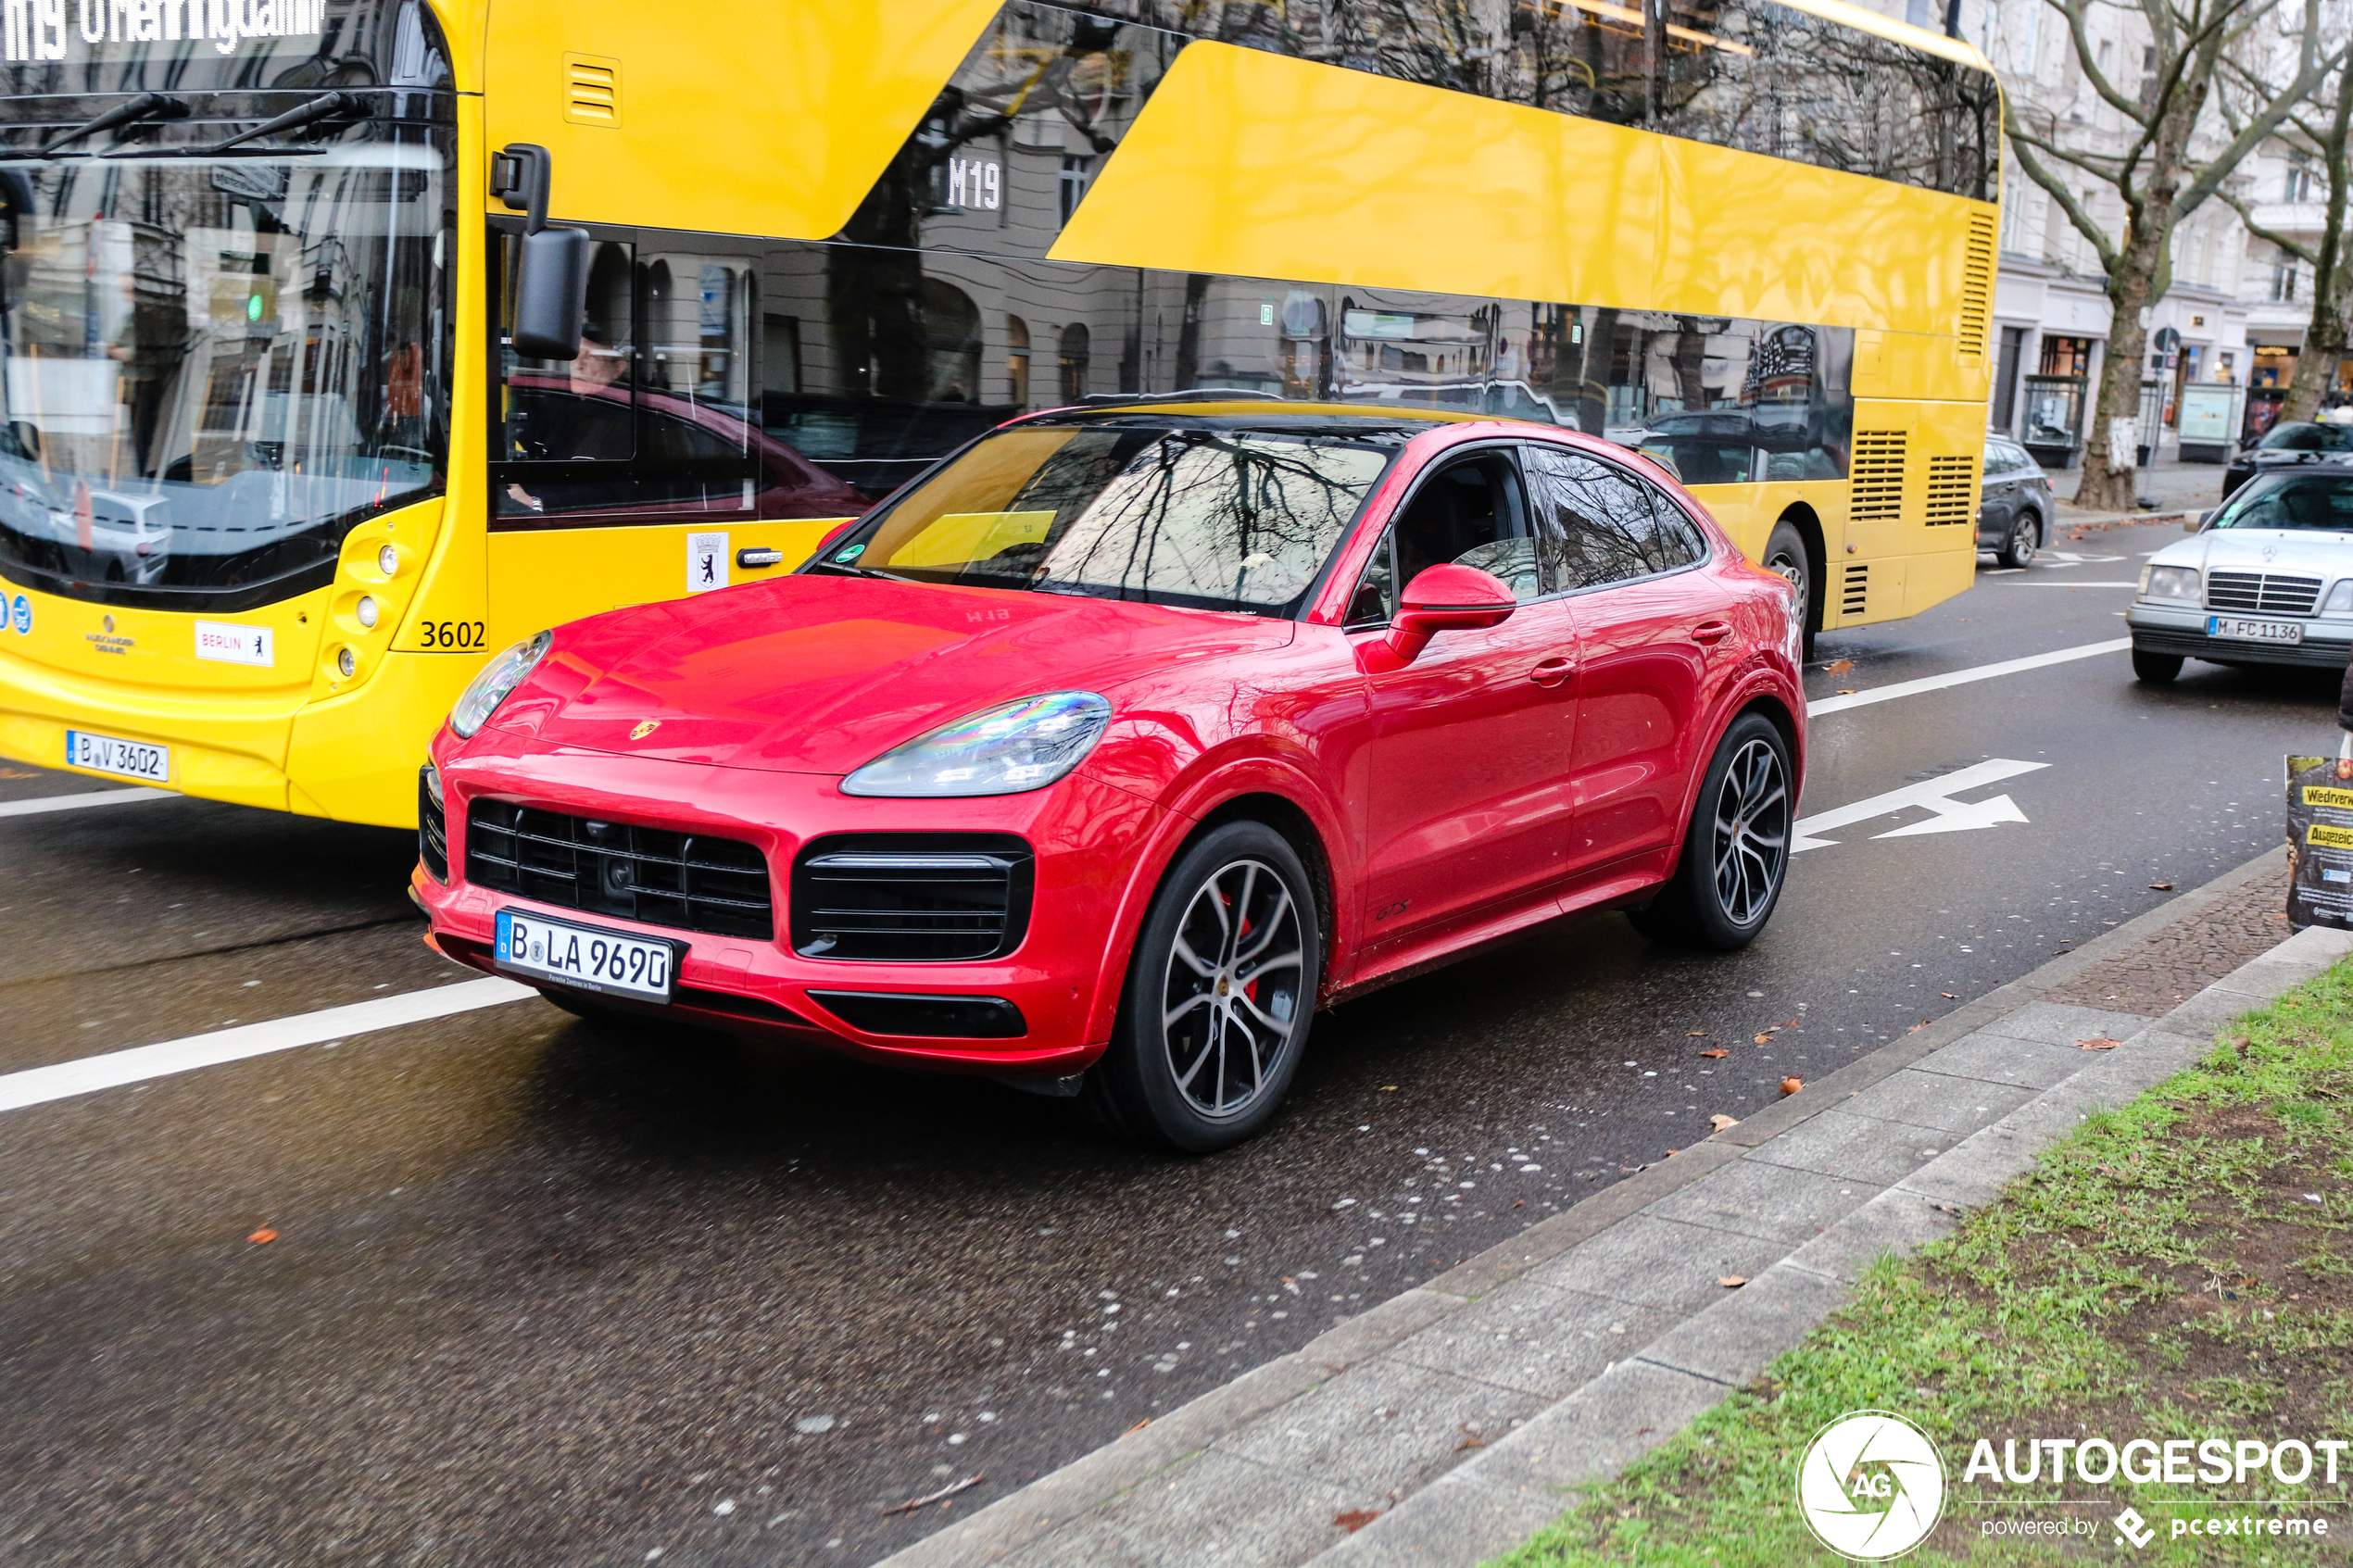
542, 1293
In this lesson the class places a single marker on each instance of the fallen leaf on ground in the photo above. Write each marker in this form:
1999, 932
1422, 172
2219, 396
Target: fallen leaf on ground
2097, 1043
1840, 668
16, 773
1386, 1088
1764, 1040
1470, 1438
1720, 1121
1790, 1023
940, 1495
1731, 1282
1147, 1420
1716, 1054
1695, 1033
2160, 887
263, 1237
1355, 1518
1790, 1084
1847, 691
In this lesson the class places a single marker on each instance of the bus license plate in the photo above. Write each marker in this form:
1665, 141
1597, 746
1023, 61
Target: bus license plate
611, 961
125, 758
2255, 630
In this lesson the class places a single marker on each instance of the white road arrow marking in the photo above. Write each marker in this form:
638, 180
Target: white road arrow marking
1932, 794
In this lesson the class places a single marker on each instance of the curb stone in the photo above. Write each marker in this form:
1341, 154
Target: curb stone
1597, 1334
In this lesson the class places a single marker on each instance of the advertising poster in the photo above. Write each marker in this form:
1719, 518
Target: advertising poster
2320, 843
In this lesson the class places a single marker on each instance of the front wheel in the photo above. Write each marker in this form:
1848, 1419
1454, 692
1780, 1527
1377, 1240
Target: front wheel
2026, 537
1736, 855
2157, 668
1220, 992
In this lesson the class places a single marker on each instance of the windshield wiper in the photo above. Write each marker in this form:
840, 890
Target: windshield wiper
145, 107
327, 106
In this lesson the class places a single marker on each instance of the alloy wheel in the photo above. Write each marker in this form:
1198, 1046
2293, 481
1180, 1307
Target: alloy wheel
1231, 1001
1752, 832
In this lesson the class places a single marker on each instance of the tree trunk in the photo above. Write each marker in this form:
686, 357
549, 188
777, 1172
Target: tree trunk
2315, 366
2110, 483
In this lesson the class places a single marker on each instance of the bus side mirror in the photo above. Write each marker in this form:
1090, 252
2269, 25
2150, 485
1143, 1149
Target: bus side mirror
552, 294
551, 270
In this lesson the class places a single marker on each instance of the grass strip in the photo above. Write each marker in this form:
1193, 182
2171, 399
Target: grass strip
2178, 1267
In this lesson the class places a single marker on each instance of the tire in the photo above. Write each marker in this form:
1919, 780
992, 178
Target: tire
1785, 556
1736, 853
1186, 1070
2157, 668
2026, 537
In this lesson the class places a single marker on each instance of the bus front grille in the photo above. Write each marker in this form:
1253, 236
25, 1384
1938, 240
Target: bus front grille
687, 881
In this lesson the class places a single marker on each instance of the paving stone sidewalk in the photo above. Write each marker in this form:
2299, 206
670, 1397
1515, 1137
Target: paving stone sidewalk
1454, 1417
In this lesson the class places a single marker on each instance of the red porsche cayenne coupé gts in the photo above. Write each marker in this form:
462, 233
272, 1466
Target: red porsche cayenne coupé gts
1106, 752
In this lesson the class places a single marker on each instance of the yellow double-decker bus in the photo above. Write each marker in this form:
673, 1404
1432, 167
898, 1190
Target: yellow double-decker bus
345, 341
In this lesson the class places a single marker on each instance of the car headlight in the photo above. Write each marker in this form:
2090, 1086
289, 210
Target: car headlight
1012, 747
2340, 599
2169, 585
497, 679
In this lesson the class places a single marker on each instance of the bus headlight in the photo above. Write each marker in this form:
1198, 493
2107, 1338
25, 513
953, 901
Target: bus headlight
497, 679
388, 561
346, 663
2169, 585
367, 612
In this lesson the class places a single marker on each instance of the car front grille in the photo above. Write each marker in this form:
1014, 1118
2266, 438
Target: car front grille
688, 880
432, 828
2263, 593
910, 897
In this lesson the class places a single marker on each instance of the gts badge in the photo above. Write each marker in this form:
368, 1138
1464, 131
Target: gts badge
1388, 911
645, 727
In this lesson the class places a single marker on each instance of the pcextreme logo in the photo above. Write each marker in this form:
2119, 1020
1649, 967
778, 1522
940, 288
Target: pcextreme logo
1870, 1485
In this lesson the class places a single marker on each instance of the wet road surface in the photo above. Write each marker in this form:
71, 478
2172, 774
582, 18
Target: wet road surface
545, 1292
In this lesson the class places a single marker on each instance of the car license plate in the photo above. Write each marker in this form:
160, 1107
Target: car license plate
2255, 630
126, 758
611, 961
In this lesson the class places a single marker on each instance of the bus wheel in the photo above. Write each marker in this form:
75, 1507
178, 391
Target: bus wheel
1785, 556
2157, 668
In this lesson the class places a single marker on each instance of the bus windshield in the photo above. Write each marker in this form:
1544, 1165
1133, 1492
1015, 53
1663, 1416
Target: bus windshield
210, 369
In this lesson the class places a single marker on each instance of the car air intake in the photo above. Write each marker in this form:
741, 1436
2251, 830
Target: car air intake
910, 897
689, 881
432, 828
955, 1018
2264, 593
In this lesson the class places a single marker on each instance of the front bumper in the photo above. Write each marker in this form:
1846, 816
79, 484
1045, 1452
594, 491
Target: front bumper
1096, 857
2165, 629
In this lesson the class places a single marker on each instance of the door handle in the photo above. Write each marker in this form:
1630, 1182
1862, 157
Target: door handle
1552, 671
1710, 633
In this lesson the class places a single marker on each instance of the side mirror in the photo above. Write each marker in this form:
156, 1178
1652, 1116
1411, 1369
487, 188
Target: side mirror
551, 270
2197, 524
1444, 598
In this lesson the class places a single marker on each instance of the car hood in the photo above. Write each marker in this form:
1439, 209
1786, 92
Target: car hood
2307, 552
821, 674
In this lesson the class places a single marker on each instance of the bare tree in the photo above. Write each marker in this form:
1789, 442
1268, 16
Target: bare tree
2319, 131
2163, 169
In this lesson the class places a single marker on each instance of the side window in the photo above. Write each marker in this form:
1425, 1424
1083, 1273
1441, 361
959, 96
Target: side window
1375, 601
1471, 512
1611, 529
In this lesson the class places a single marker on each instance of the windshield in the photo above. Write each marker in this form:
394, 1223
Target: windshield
2307, 438
2301, 500
211, 367
1216, 519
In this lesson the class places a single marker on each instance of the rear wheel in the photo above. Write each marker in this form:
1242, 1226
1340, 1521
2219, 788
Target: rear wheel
1220, 992
1785, 556
2157, 668
1736, 854
2026, 537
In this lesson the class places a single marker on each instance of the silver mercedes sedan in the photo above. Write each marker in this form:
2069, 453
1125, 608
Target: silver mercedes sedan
2267, 579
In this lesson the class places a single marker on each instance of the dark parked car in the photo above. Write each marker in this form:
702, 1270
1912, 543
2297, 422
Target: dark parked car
2015, 509
2285, 446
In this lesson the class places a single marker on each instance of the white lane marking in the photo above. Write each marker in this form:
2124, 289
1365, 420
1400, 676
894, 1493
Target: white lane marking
37, 1085
1820, 705
1934, 794
76, 802
2072, 582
